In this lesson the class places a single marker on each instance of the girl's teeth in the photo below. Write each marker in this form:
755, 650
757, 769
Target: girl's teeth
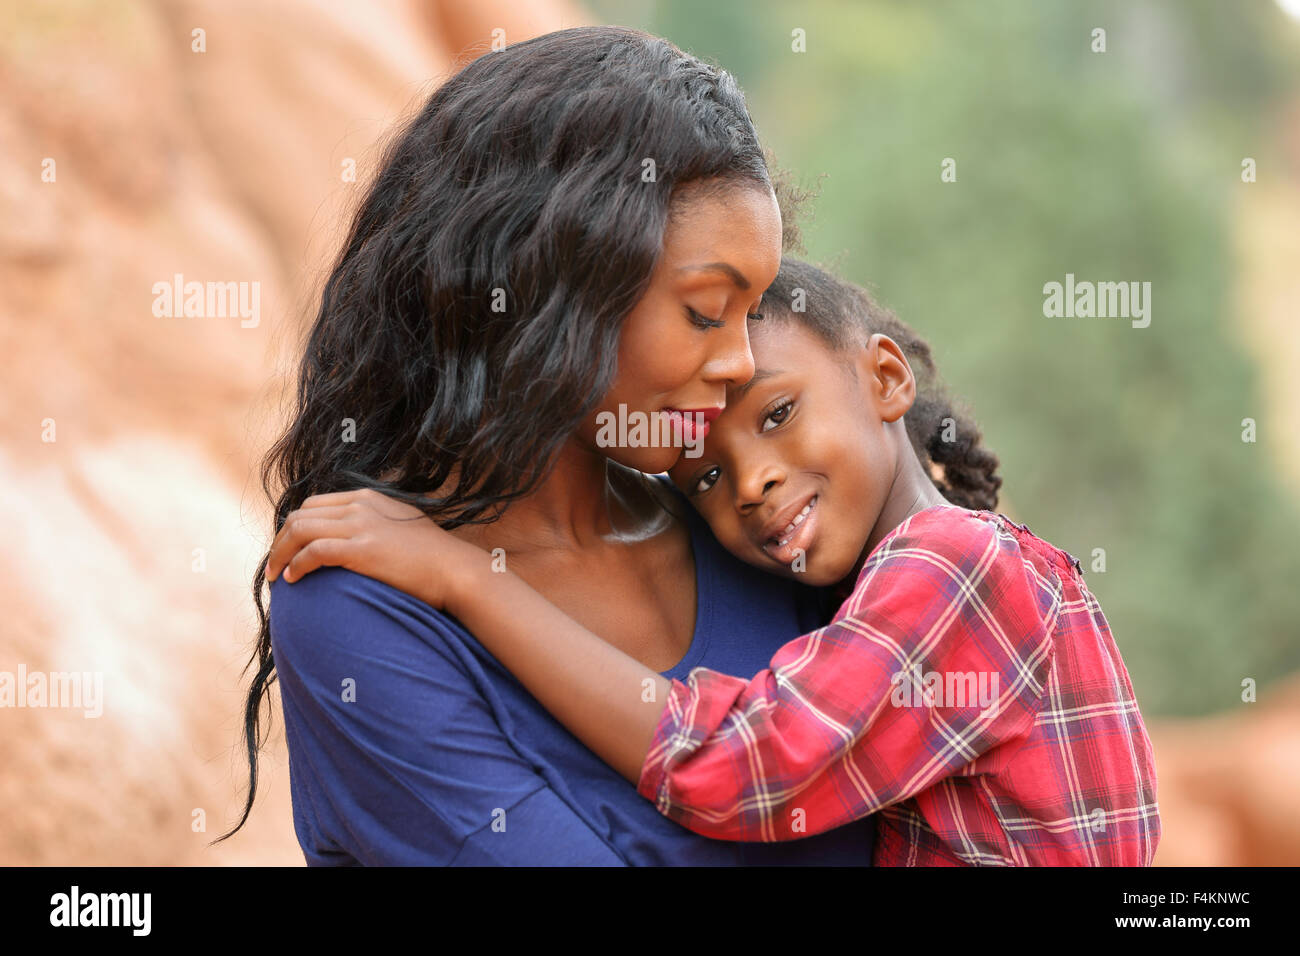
798, 520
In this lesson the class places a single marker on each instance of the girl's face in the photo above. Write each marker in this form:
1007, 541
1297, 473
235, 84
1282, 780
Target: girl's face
687, 340
797, 471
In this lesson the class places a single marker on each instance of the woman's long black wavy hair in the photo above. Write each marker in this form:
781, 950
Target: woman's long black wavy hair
471, 320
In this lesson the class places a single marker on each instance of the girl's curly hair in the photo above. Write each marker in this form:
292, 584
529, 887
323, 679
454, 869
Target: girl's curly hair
841, 314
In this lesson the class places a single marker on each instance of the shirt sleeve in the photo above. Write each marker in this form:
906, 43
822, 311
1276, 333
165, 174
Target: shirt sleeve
849, 718
396, 753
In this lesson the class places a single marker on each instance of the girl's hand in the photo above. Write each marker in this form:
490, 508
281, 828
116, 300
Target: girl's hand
385, 539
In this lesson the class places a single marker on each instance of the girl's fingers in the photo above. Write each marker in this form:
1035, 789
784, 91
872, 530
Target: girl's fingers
319, 553
335, 512
377, 501
301, 529
335, 498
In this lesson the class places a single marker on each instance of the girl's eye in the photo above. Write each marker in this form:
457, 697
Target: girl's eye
706, 480
701, 321
778, 415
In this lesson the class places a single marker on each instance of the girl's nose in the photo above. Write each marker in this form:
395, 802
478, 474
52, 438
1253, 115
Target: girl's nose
755, 484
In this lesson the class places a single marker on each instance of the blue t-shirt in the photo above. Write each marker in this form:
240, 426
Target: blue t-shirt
409, 743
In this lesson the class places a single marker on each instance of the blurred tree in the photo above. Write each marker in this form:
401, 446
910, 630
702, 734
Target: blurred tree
1120, 165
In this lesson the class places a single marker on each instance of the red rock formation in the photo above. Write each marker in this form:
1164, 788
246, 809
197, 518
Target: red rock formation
1229, 785
134, 533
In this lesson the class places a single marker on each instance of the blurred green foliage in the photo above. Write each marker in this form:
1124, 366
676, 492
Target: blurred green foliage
1113, 166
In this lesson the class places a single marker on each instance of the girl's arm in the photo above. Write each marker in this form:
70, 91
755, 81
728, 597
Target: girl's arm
861, 714
607, 699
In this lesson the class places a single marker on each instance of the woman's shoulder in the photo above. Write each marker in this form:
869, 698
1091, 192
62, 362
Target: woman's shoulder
341, 609
326, 593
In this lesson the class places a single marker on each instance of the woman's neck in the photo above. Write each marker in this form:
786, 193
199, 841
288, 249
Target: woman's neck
585, 500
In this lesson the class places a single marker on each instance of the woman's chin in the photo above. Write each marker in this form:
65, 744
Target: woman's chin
651, 461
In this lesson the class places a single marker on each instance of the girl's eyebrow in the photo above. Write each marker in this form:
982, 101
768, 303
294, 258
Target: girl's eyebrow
725, 268
740, 391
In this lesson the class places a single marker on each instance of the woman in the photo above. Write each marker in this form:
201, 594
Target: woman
579, 226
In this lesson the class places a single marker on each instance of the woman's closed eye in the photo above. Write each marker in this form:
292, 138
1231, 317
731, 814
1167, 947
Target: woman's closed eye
704, 322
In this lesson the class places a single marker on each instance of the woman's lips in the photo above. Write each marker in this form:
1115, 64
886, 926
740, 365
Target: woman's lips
796, 537
691, 425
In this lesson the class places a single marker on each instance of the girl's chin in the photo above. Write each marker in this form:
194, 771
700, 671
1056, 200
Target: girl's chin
818, 572
812, 578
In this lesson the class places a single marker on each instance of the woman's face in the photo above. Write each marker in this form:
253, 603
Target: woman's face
688, 337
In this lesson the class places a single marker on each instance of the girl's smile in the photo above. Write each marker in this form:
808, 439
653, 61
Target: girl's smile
785, 540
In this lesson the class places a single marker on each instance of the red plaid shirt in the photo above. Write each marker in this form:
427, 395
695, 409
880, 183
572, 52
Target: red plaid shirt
968, 693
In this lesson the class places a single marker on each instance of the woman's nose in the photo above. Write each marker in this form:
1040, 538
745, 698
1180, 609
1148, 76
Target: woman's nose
732, 362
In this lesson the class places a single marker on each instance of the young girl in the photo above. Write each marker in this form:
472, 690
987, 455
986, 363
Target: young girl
968, 691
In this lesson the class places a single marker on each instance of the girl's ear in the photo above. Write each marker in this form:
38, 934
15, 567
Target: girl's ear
886, 377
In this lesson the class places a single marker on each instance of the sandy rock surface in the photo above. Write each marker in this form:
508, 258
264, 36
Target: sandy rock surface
134, 532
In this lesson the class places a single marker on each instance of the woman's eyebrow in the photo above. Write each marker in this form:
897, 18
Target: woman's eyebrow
725, 268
